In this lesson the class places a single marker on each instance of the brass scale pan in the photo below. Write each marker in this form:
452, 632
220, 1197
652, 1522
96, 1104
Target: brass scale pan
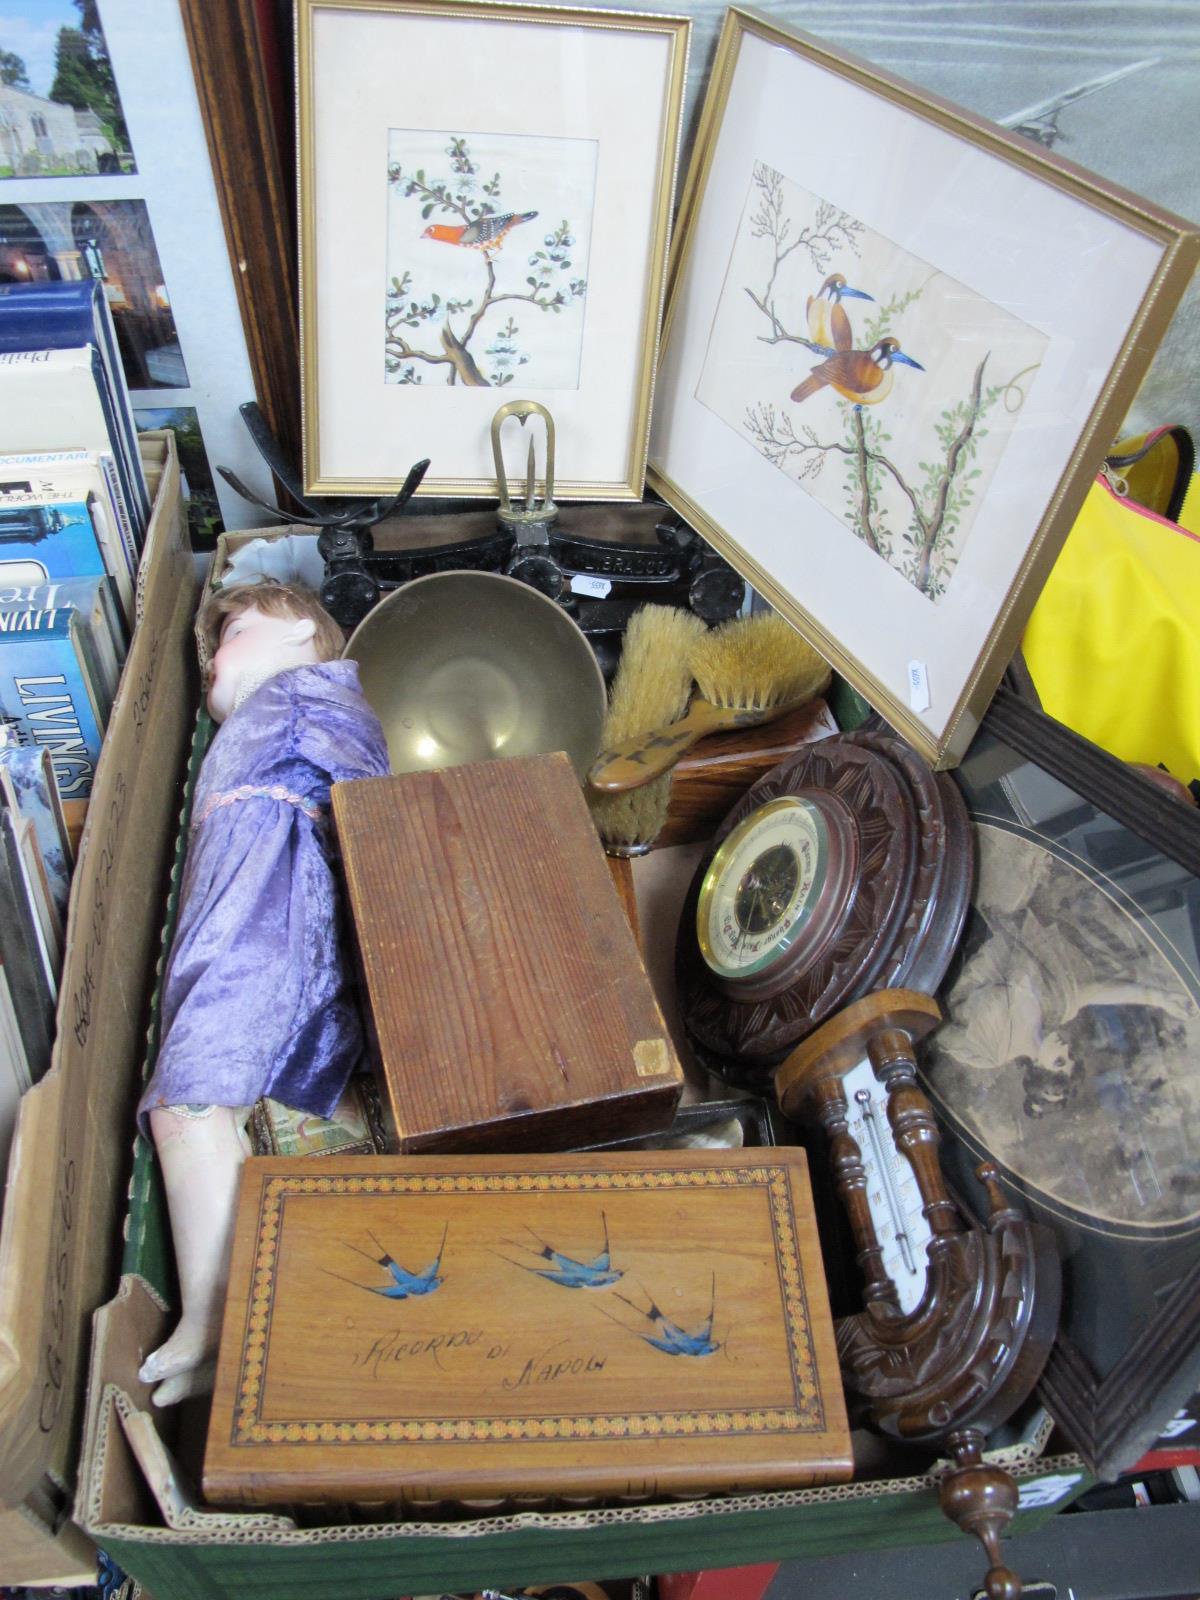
475, 666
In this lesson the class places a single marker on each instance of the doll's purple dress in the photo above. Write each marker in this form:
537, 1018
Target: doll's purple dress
256, 998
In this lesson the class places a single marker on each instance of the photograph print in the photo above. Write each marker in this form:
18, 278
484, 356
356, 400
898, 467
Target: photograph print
111, 241
882, 388
199, 488
60, 113
487, 254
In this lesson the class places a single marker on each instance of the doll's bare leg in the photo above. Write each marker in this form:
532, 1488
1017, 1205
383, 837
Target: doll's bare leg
201, 1158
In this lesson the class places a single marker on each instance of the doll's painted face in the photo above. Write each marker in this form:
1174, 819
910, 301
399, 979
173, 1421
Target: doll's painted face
253, 648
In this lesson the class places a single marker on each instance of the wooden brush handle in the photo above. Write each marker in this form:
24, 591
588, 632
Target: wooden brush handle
647, 756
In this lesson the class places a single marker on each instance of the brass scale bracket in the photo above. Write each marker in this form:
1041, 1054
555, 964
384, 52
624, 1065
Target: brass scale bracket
970, 1352
529, 523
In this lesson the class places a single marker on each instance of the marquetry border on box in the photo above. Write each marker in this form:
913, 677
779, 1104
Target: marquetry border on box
806, 1416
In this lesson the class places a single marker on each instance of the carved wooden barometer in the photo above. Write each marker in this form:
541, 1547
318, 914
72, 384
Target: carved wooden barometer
845, 869
958, 1318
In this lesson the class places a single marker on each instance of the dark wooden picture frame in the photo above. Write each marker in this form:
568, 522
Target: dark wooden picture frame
1111, 1419
240, 52
1138, 804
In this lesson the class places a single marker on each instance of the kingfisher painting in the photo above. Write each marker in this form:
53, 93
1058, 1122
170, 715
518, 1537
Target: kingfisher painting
598, 1273
883, 388
828, 319
404, 1285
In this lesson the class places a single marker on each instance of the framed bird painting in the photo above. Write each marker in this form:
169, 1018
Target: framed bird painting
898, 341
485, 198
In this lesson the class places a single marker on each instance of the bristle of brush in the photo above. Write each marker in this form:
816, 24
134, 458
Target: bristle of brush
627, 823
653, 681
756, 662
652, 686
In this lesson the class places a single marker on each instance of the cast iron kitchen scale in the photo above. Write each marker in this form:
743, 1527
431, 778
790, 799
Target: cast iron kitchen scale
600, 563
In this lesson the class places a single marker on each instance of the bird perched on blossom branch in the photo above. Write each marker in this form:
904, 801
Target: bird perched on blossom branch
485, 233
828, 323
863, 376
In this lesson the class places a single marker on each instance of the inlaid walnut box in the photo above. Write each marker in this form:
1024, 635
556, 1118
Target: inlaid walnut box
428, 1328
507, 1003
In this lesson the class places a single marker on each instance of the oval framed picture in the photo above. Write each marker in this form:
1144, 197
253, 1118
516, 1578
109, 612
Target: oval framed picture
1068, 1056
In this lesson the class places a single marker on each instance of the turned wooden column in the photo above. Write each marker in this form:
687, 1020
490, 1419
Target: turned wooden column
982, 1500
891, 1054
960, 1363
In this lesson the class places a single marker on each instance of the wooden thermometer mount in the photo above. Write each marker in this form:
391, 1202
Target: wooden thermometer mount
957, 1364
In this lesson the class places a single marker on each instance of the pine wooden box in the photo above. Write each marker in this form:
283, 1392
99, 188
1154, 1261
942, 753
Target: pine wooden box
621, 1324
507, 1003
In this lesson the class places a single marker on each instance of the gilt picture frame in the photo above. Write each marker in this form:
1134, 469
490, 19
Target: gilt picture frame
898, 341
499, 228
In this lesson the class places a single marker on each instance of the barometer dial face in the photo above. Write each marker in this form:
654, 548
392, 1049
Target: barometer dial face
804, 899
763, 888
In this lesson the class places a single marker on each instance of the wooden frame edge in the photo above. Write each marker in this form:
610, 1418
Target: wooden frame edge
251, 181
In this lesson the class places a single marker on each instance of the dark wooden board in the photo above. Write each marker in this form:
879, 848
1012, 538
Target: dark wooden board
233, 56
496, 1374
508, 1003
715, 774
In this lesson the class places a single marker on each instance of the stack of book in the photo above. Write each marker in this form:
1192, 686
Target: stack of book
73, 515
35, 880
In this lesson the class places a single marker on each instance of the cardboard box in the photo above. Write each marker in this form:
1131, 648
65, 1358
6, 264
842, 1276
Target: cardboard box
134, 1497
175, 1548
63, 1208
37, 1546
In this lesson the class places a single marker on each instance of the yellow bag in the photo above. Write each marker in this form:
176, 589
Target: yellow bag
1113, 644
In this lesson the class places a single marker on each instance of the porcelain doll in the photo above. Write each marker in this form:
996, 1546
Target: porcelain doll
256, 998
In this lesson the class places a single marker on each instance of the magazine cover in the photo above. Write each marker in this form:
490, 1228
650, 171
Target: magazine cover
49, 398
39, 542
46, 699
27, 786
29, 876
103, 632
57, 477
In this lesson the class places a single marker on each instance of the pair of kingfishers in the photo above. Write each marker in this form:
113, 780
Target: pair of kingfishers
862, 376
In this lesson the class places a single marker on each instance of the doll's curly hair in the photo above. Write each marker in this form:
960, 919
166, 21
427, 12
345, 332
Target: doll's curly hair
272, 599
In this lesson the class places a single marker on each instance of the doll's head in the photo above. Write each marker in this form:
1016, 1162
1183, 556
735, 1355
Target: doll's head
251, 631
